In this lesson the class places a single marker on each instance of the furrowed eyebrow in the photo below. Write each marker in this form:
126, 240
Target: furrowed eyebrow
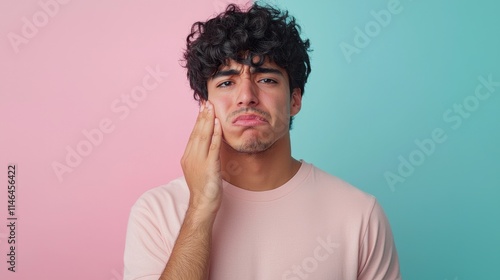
261, 70
222, 73
264, 70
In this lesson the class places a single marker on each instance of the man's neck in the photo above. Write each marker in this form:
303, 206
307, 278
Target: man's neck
259, 171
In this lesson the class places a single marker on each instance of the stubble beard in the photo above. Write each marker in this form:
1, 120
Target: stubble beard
253, 145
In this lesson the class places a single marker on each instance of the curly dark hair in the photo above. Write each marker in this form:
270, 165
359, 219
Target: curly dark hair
261, 31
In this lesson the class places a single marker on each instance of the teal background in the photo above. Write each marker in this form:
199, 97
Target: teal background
359, 117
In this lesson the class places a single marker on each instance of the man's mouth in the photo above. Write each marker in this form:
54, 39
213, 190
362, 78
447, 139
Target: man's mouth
249, 120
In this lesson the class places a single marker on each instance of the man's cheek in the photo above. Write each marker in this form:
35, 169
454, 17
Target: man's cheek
223, 126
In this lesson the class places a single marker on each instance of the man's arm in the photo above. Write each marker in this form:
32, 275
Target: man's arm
378, 255
190, 258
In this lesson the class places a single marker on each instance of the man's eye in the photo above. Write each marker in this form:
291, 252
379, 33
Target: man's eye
268, 81
224, 84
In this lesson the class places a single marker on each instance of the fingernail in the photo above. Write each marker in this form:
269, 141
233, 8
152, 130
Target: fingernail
209, 105
202, 106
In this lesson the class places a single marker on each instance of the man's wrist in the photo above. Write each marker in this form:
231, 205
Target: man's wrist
200, 215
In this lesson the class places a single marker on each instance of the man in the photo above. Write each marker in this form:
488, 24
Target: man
245, 208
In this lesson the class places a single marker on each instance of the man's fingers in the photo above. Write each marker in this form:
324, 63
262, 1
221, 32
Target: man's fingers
200, 137
205, 130
189, 145
215, 144
201, 160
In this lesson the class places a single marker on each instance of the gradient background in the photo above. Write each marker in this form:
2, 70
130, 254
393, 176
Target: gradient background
358, 117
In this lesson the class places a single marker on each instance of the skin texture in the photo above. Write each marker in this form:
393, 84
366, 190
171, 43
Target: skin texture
241, 136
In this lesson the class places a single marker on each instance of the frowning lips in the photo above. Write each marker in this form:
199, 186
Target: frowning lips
249, 120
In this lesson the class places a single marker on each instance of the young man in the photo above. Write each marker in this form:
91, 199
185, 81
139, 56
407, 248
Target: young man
245, 208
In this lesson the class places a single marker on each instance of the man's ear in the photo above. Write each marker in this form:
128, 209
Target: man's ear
295, 101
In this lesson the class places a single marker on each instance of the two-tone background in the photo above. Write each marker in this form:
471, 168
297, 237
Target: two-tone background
403, 102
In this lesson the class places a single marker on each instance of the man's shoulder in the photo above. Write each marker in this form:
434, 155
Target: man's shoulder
333, 186
173, 193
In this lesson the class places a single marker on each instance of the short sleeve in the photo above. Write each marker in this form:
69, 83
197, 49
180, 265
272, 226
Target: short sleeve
378, 255
153, 226
146, 252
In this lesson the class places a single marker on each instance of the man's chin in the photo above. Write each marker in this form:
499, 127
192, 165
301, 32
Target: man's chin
250, 146
254, 148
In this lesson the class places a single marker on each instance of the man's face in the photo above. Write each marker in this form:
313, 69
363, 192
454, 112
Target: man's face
253, 105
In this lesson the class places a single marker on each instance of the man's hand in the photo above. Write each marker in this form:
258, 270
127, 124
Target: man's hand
201, 164
190, 256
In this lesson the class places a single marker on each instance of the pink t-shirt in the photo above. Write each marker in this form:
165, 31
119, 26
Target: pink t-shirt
315, 226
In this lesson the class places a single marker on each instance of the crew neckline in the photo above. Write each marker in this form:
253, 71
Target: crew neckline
281, 191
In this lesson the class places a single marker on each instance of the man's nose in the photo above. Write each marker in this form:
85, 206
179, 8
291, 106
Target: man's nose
247, 93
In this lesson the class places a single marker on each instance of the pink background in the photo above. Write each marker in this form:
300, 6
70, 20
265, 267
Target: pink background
79, 62
66, 77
